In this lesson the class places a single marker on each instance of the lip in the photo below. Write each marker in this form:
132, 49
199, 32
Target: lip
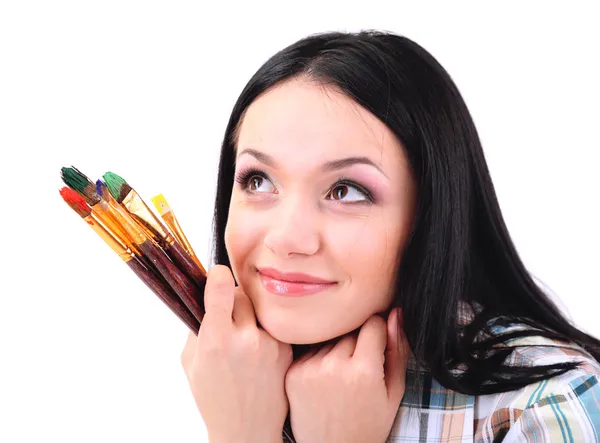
292, 283
292, 277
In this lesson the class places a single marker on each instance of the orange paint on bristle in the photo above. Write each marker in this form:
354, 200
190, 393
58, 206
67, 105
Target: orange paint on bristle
75, 200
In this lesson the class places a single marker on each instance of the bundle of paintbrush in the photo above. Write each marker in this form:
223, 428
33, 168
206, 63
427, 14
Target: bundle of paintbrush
155, 248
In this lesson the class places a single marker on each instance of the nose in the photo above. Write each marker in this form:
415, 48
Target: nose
294, 229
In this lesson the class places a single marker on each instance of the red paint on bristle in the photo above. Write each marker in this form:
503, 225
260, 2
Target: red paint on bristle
71, 196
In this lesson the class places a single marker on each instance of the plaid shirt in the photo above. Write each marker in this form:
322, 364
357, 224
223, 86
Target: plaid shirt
565, 408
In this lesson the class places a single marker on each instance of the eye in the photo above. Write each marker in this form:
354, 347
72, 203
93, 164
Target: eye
348, 191
255, 181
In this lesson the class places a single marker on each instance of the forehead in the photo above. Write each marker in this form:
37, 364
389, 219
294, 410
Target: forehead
304, 119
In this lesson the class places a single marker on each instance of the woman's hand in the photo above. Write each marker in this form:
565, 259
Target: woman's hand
236, 370
350, 390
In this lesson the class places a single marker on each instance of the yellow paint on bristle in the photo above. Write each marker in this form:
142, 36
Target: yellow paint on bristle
161, 205
168, 216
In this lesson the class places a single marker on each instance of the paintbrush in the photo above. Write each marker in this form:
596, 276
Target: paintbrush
189, 293
154, 227
150, 279
76, 180
168, 216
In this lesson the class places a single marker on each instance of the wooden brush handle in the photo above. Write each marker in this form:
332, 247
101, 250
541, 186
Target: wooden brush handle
189, 266
165, 293
183, 286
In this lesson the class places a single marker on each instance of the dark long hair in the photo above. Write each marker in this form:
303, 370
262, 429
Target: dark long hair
460, 252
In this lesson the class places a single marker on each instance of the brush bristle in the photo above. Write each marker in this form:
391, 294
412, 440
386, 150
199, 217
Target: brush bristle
75, 201
74, 179
117, 186
77, 180
161, 205
102, 190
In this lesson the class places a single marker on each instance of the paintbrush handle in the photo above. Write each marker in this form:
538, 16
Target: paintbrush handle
179, 282
189, 266
165, 293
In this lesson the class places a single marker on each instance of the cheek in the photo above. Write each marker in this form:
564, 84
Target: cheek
368, 255
242, 235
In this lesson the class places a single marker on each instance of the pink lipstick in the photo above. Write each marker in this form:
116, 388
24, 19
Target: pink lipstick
292, 284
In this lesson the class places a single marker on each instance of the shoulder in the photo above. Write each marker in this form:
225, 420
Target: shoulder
564, 408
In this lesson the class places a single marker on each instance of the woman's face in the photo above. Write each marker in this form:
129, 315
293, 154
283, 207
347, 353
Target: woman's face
322, 189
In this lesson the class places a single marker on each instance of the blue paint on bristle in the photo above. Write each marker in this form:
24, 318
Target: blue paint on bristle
99, 185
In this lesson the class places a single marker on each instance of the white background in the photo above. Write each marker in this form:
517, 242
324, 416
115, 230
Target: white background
145, 89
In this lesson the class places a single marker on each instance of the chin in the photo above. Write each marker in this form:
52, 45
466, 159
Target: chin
302, 333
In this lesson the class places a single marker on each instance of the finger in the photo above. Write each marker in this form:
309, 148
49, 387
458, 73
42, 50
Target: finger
187, 355
307, 355
372, 340
324, 350
219, 296
396, 357
345, 346
243, 309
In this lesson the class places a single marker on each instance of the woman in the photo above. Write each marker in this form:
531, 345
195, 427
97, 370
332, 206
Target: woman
352, 182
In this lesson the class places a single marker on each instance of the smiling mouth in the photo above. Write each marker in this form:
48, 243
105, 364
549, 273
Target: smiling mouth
292, 284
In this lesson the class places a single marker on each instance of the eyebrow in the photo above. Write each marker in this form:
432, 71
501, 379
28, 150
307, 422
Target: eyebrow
333, 165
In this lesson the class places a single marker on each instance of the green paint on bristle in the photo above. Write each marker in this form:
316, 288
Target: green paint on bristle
73, 179
114, 183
